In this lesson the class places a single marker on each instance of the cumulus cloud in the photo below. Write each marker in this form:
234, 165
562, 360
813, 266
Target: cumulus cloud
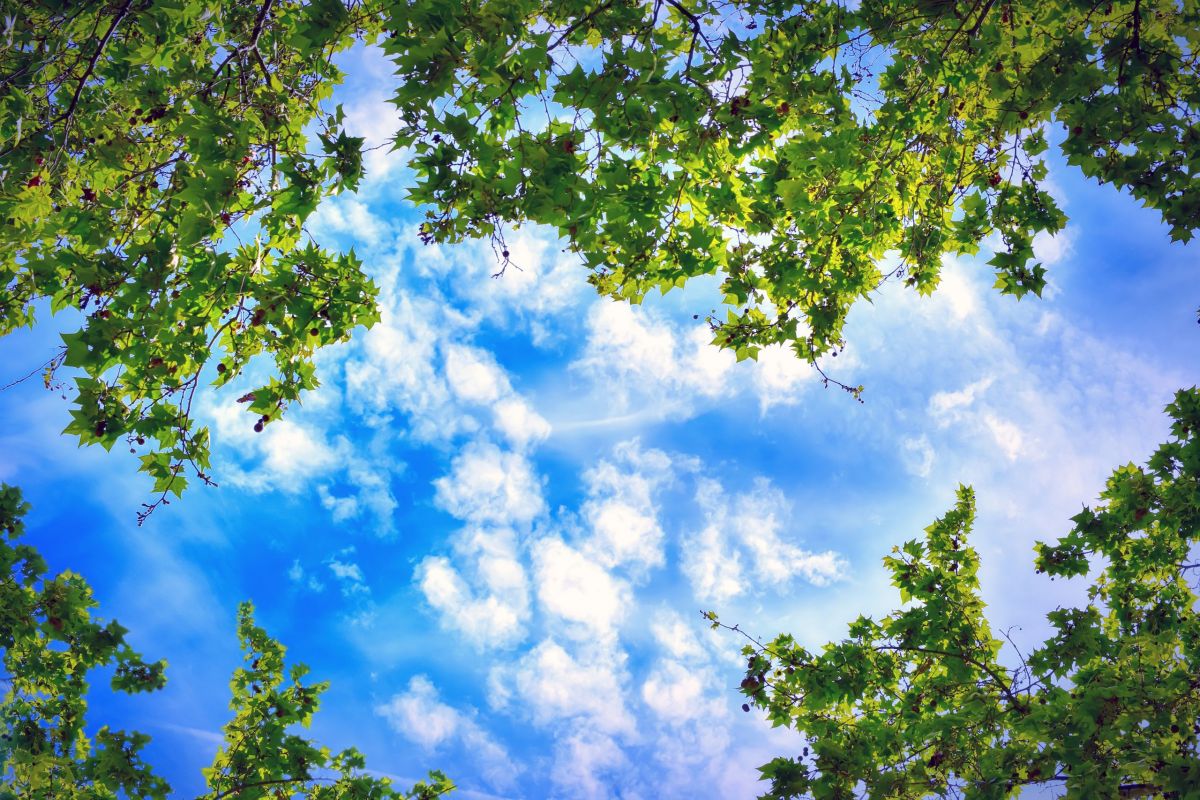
946, 407
299, 576
540, 283
516, 420
489, 485
419, 715
643, 359
779, 376
633, 351
1006, 435
679, 693
587, 763
577, 589
621, 512
675, 637
348, 574
917, 455
298, 454
966, 409
474, 376
490, 603
555, 686
397, 367
744, 545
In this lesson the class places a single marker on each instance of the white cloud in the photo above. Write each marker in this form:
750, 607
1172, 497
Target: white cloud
587, 764
287, 452
623, 532
956, 290
780, 377
519, 423
621, 512
474, 376
296, 574
419, 715
963, 407
635, 356
917, 455
744, 544
540, 283
348, 574
675, 637
491, 605
488, 485
294, 454
555, 686
1006, 435
342, 508
349, 216
575, 588
678, 693
704, 368
1052, 249
713, 566
397, 367
945, 407
371, 481
631, 343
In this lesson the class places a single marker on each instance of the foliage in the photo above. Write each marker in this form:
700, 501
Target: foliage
261, 759
786, 147
51, 642
919, 703
133, 135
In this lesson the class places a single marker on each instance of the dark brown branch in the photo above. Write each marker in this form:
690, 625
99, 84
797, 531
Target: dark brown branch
69, 114
577, 24
982, 16
260, 23
91, 67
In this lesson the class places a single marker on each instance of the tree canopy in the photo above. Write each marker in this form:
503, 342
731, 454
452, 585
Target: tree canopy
50, 643
920, 703
159, 160
786, 148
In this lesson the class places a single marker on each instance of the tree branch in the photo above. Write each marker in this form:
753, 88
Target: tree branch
91, 67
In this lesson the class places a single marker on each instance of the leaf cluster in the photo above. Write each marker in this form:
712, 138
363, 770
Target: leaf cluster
51, 642
159, 158
921, 704
790, 147
137, 139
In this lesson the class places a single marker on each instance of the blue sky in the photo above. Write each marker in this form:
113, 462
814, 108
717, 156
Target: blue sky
494, 526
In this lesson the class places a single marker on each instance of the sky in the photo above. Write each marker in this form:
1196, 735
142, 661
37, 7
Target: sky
494, 526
